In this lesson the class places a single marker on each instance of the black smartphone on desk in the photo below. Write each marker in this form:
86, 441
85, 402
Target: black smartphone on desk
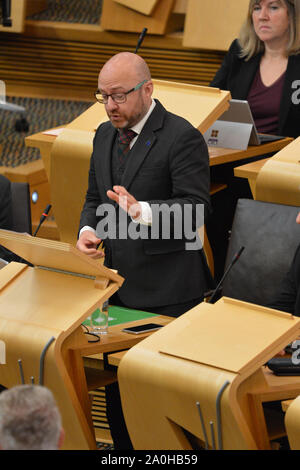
145, 328
283, 366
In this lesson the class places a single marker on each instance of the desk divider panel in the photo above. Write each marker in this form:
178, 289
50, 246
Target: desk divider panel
117, 17
70, 163
213, 24
142, 6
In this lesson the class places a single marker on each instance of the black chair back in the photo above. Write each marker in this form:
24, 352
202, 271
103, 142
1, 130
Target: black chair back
21, 210
270, 236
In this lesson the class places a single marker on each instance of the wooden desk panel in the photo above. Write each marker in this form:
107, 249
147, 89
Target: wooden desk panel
141, 6
219, 156
250, 172
180, 373
277, 388
116, 17
116, 339
205, 27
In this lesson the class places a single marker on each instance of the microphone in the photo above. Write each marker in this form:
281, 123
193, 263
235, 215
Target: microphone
43, 217
141, 39
234, 260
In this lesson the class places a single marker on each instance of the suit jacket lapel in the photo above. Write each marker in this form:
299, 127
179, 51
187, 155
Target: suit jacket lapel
143, 144
105, 153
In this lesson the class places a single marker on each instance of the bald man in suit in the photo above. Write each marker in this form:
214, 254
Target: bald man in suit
166, 163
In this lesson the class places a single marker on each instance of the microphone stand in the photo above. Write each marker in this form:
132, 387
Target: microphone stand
234, 260
43, 217
141, 38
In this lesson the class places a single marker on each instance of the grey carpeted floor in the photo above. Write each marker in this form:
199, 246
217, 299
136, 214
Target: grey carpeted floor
41, 114
71, 11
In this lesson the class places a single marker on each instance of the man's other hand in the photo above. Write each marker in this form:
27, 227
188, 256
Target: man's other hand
88, 244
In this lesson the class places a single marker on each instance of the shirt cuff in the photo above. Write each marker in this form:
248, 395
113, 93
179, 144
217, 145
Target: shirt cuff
146, 214
86, 227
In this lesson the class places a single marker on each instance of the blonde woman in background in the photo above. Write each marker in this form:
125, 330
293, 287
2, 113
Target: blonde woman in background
263, 66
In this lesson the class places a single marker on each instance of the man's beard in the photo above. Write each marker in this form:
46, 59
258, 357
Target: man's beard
128, 121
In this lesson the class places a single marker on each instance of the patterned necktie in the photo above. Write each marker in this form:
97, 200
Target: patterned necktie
124, 138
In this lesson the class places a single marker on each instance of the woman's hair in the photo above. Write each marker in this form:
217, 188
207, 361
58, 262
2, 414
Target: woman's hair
252, 45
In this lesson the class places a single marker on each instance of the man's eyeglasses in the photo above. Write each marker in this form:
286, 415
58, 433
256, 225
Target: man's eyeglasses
117, 97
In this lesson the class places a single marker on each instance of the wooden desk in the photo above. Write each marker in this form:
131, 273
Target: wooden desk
219, 156
184, 369
92, 374
250, 172
76, 286
116, 339
44, 143
277, 388
268, 425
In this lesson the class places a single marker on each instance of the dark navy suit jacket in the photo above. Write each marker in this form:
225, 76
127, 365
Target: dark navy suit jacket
168, 164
